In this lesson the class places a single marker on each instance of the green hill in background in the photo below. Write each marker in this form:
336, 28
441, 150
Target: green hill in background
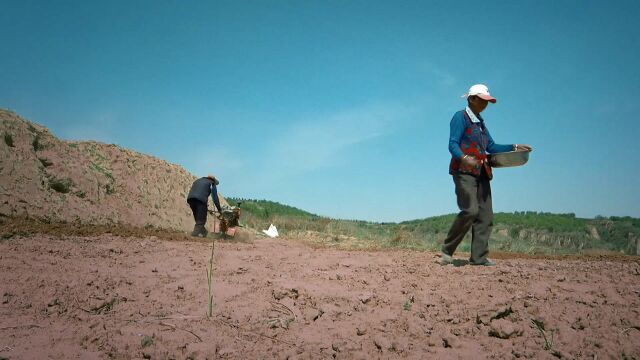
523, 232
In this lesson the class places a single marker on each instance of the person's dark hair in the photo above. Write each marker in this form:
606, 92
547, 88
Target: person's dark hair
469, 99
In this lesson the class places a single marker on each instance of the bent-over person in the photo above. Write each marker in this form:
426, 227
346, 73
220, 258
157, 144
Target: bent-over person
197, 200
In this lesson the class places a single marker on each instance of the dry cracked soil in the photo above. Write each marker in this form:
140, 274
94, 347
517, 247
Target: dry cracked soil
119, 297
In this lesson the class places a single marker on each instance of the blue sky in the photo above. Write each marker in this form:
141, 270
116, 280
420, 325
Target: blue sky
342, 108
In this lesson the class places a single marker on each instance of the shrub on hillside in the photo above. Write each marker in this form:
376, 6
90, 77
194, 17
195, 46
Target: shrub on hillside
37, 145
8, 139
61, 185
45, 162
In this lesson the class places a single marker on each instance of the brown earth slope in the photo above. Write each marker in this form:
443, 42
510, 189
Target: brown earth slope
44, 177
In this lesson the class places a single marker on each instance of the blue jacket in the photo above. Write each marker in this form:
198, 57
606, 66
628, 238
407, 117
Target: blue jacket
473, 139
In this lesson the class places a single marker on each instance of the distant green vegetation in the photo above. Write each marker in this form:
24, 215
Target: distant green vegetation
265, 209
525, 232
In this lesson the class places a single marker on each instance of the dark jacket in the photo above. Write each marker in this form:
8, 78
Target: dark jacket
202, 188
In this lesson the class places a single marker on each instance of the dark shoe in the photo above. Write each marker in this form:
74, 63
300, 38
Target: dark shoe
195, 231
200, 231
487, 262
446, 259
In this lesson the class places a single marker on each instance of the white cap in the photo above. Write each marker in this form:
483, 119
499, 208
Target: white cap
481, 91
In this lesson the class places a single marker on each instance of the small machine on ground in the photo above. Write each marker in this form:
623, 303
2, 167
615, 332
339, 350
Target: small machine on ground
228, 221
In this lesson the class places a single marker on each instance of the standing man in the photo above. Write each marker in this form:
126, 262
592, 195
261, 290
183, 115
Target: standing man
197, 200
469, 145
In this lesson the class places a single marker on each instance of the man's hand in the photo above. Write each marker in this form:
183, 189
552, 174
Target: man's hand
524, 147
469, 161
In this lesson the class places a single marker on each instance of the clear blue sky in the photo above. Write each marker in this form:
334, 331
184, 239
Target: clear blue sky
342, 108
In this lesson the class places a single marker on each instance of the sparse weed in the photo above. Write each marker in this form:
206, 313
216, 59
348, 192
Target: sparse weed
409, 303
102, 169
147, 341
548, 343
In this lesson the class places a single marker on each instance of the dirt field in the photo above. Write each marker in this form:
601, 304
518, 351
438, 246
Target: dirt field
106, 296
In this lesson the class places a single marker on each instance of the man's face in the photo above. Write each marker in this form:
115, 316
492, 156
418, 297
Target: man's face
477, 104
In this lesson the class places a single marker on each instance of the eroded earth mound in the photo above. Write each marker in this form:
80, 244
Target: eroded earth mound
44, 177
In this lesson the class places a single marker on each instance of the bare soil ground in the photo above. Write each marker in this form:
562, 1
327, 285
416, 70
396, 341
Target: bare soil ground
99, 296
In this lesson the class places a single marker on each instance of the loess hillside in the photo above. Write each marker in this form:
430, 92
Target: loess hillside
47, 178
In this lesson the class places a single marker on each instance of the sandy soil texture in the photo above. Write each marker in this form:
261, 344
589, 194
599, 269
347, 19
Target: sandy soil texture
105, 296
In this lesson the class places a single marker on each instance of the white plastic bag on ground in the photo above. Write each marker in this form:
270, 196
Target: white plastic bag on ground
272, 232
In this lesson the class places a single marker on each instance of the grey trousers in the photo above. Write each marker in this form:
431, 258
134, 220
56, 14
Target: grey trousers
476, 212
